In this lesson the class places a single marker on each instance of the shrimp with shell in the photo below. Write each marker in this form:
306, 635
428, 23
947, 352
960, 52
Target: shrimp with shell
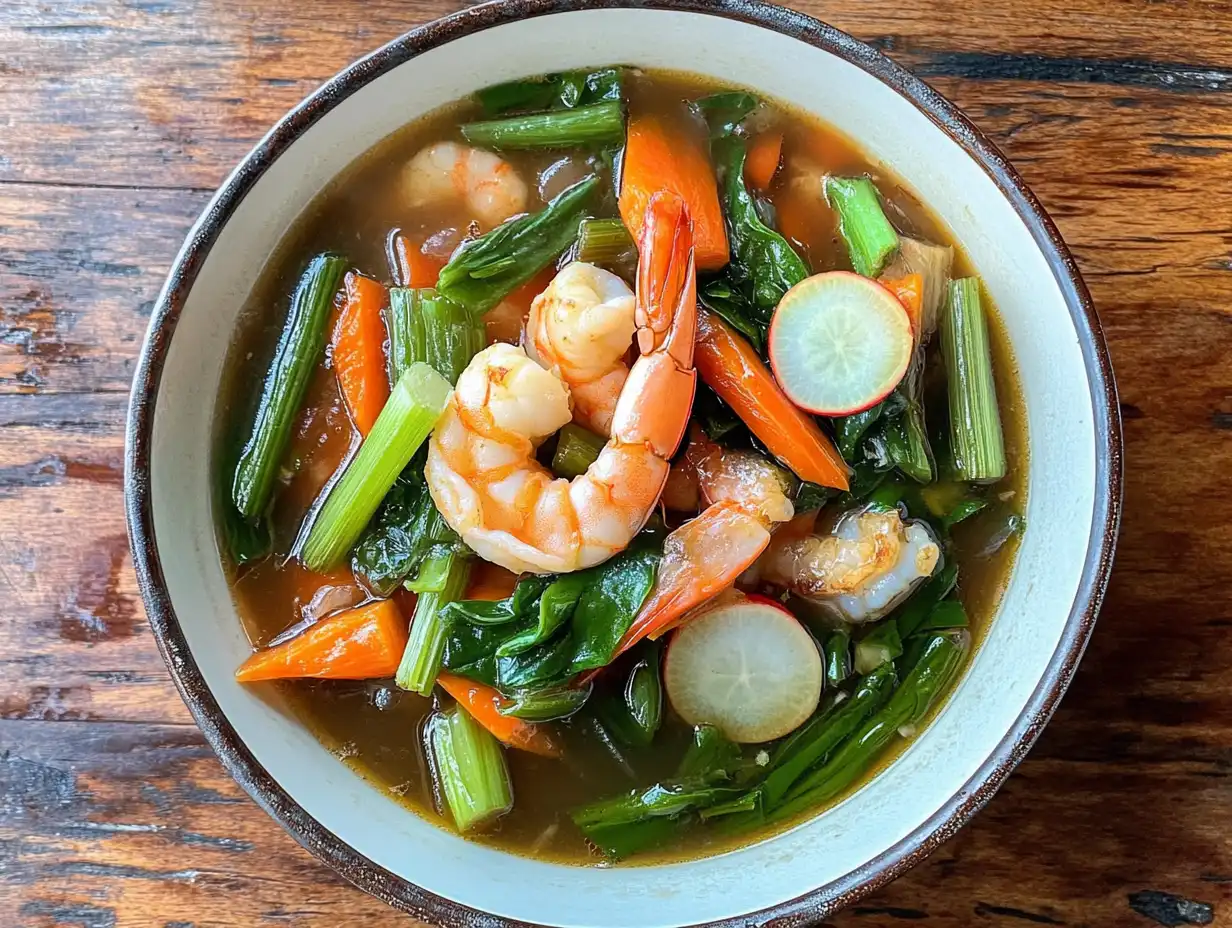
481, 468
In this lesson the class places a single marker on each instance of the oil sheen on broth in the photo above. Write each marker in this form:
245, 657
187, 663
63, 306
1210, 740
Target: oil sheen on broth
375, 727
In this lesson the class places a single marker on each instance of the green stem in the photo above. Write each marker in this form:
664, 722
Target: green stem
938, 665
604, 241
976, 439
486, 269
471, 769
596, 125
299, 350
409, 415
870, 238
421, 661
576, 449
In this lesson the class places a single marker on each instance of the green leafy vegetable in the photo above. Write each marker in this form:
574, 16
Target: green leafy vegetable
572, 623
483, 271
546, 705
734, 308
910, 616
405, 531
939, 661
837, 654
878, 648
634, 713
576, 449
567, 90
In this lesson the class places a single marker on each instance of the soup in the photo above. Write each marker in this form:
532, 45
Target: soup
614, 467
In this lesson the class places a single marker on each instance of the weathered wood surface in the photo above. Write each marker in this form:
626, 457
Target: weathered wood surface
119, 117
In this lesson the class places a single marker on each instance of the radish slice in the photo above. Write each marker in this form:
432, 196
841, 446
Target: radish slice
748, 668
839, 343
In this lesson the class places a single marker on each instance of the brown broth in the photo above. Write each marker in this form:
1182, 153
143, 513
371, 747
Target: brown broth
376, 728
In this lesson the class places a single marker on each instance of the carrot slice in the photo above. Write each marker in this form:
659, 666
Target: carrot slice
359, 351
658, 158
910, 292
358, 644
763, 160
483, 703
730, 366
414, 268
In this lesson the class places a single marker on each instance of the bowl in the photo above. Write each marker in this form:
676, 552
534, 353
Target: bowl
996, 711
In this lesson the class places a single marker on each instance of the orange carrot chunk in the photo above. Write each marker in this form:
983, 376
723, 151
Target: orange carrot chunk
659, 158
483, 703
763, 160
729, 366
358, 644
359, 351
910, 292
414, 268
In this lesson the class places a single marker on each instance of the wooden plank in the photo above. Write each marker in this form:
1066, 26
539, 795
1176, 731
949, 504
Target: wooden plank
74, 643
154, 93
80, 269
138, 824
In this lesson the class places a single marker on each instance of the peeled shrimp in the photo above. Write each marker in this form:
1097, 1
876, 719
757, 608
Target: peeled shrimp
447, 172
581, 327
869, 564
481, 468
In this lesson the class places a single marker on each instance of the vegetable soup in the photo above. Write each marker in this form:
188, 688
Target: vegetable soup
616, 467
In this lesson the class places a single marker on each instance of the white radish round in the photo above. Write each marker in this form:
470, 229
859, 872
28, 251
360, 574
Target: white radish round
748, 668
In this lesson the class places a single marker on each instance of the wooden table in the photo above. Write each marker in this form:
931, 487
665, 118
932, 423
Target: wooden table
119, 119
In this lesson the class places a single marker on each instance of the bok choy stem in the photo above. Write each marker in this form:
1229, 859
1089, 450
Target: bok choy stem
470, 766
870, 238
414, 406
976, 439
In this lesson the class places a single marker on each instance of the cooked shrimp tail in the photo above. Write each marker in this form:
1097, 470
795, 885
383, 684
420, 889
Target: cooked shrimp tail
700, 559
666, 314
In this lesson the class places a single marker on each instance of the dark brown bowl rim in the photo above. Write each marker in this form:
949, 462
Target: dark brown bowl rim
822, 901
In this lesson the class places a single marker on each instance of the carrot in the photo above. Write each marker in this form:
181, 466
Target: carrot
359, 351
910, 292
504, 321
763, 160
412, 267
483, 703
658, 158
357, 644
730, 366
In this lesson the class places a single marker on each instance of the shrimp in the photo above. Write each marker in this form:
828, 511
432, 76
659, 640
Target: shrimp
448, 172
481, 468
870, 563
581, 327
747, 498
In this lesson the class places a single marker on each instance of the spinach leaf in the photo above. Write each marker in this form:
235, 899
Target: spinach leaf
762, 264
550, 629
724, 112
405, 532
733, 307
552, 91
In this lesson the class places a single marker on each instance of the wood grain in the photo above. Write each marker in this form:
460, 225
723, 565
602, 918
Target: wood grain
120, 117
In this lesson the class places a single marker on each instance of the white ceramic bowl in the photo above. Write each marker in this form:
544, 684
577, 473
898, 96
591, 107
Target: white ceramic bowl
997, 709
